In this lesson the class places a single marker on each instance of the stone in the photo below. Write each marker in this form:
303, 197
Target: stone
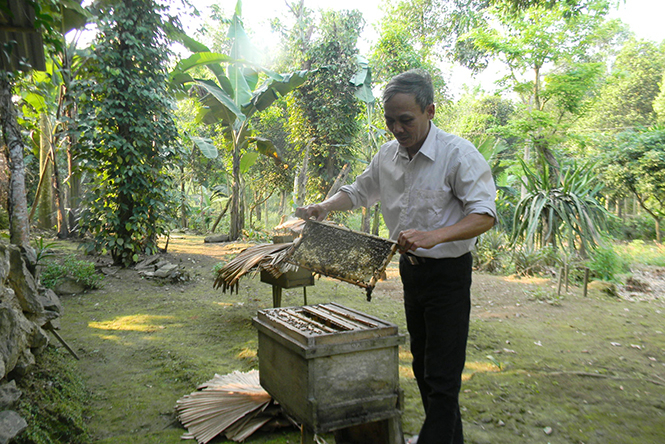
15, 332
607, 288
9, 394
216, 238
68, 286
26, 361
165, 270
11, 425
147, 262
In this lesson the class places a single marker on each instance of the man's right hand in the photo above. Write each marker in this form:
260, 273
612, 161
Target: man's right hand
314, 211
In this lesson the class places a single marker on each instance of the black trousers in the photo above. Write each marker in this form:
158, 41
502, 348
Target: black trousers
437, 301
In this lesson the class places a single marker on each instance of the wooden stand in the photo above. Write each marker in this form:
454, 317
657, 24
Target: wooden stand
291, 279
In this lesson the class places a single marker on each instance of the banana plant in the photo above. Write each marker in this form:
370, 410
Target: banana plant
362, 80
232, 98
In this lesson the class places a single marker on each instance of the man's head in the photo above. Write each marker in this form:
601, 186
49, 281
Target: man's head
415, 82
408, 103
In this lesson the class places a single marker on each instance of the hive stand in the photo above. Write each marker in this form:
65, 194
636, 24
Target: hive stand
291, 279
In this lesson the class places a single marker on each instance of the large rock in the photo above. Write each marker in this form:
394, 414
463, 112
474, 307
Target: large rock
25, 308
16, 333
9, 394
68, 286
11, 425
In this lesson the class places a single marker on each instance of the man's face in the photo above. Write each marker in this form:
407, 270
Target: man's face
408, 123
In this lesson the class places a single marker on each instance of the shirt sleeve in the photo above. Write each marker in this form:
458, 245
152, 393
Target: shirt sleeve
474, 185
365, 190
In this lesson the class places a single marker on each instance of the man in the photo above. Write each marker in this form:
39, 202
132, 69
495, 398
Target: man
437, 195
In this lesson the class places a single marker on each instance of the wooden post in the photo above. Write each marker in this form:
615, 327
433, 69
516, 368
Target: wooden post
307, 435
558, 290
586, 281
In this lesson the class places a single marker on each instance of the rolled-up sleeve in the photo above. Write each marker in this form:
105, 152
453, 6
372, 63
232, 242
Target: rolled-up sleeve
474, 185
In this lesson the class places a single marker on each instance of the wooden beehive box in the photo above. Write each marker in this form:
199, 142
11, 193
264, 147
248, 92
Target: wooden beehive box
329, 366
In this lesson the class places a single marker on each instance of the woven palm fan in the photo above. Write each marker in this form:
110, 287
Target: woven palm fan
233, 404
269, 257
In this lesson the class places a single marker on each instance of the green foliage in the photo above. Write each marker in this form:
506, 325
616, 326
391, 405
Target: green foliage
529, 261
80, 271
560, 212
43, 250
642, 253
635, 163
54, 402
128, 135
326, 106
627, 98
232, 99
491, 252
4, 219
605, 264
640, 226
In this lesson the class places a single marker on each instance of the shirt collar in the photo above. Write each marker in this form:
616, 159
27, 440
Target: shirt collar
428, 149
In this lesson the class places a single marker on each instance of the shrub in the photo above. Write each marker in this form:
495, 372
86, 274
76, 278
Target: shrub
82, 272
605, 264
641, 226
490, 252
529, 261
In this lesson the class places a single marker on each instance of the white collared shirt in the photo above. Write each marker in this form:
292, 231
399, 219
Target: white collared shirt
445, 181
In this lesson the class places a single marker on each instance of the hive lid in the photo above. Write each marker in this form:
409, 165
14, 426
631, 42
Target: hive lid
325, 324
341, 253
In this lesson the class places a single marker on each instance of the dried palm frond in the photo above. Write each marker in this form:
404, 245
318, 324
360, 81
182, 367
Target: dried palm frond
252, 259
233, 404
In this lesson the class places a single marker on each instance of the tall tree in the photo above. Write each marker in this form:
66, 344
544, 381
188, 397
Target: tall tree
128, 134
19, 228
636, 161
549, 55
326, 107
628, 95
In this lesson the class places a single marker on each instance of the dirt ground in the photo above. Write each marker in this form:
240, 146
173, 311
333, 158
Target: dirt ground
541, 367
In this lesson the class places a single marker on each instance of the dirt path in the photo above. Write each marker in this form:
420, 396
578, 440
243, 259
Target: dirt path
541, 368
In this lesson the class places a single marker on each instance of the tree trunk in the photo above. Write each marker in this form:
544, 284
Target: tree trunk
183, 199
339, 180
300, 187
63, 227
282, 206
365, 220
19, 228
658, 238
45, 199
237, 216
377, 221
219, 218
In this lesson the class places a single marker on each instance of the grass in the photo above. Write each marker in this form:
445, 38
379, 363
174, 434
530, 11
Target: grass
553, 366
642, 253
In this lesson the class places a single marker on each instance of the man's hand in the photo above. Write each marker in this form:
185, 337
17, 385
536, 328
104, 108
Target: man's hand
471, 226
340, 201
410, 240
313, 211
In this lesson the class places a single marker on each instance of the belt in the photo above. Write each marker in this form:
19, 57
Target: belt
418, 260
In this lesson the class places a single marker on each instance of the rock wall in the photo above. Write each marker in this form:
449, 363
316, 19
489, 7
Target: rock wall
27, 310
